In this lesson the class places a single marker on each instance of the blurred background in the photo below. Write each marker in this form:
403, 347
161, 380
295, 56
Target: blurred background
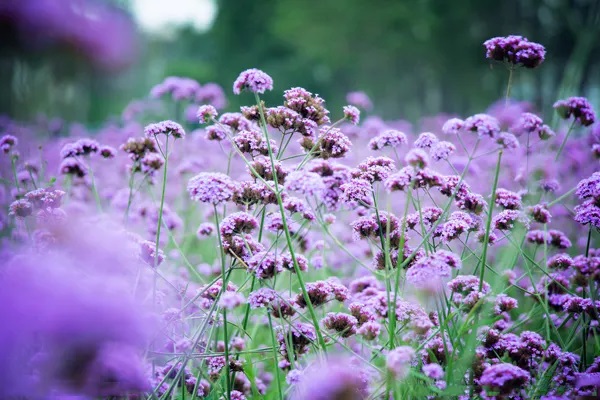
85, 60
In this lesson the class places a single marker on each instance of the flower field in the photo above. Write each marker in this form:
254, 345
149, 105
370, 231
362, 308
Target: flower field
290, 251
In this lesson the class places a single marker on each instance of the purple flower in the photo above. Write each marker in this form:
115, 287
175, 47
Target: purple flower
237, 223
441, 150
264, 265
7, 142
216, 132
262, 297
589, 188
352, 114
342, 323
483, 124
332, 143
72, 166
167, 128
374, 169
507, 199
433, 371
453, 126
359, 99
179, 88
231, 300
211, 187
388, 138
305, 182
417, 158
400, 180
577, 107
205, 229
507, 140
206, 113
307, 105
235, 121
357, 191
506, 220
20, 208
107, 151
289, 121
370, 330
503, 379
253, 80
334, 379
399, 359
426, 140
516, 50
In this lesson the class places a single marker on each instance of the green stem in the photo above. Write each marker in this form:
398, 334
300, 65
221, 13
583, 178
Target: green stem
564, 142
275, 367
488, 223
160, 215
508, 87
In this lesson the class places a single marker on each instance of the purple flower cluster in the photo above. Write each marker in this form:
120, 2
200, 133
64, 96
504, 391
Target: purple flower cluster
577, 107
253, 80
515, 50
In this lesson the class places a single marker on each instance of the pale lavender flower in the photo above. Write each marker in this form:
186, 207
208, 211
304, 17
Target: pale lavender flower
211, 187
231, 300
359, 99
20, 208
7, 142
388, 138
206, 113
398, 361
262, 297
483, 124
453, 126
305, 182
253, 80
167, 128
441, 150
352, 114
426, 140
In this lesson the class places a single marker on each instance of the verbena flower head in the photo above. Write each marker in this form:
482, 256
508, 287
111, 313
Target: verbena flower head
206, 113
398, 360
307, 105
253, 80
503, 379
359, 99
483, 124
453, 126
167, 128
335, 379
388, 138
211, 187
7, 142
515, 50
577, 107
352, 114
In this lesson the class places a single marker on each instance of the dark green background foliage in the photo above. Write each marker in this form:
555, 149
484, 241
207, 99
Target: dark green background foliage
413, 57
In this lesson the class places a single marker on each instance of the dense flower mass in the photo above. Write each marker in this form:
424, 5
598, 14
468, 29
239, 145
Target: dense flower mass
309, 254
578, 108
516, 50
253, 80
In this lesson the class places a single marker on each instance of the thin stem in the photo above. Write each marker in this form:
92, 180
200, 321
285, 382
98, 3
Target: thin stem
488, 223
160, 215
511, 69
564, 142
